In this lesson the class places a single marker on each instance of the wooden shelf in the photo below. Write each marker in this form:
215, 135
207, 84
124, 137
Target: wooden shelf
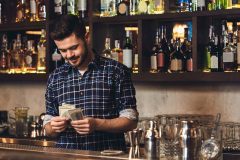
23, 26
23, 77
187, 77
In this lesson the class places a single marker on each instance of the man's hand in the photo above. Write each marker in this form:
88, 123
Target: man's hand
85, 126
58, 124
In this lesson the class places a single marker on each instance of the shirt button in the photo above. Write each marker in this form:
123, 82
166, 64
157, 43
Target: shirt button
81, 93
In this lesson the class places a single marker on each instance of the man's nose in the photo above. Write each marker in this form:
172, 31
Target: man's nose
69, 53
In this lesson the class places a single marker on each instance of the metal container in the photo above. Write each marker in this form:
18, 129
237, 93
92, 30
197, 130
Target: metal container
189, 140
151, 142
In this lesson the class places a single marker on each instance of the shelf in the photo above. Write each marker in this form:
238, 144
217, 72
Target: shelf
23, 26
23, 77
187, 77
166, 16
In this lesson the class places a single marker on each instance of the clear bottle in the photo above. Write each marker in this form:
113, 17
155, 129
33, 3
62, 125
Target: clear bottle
4, 55
117, 51
133, 7
154, 56
57, 7
56, 58
81, 8
159, 6
21, 9
127, 51
215, 56
104, 8
41, 67
135, 68
107, 50
71, 7
207, 51
42, 10
33, 10
229, 56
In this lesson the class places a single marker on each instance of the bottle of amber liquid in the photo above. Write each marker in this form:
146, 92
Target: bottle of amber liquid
41, 10
82, 8
127, 51
21, 11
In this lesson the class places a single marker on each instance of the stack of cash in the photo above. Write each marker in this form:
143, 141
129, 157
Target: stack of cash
70, 112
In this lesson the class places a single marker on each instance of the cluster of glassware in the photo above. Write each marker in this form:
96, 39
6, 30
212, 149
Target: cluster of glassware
183, 136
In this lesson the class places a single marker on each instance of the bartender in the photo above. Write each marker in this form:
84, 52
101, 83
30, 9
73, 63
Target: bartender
101, 87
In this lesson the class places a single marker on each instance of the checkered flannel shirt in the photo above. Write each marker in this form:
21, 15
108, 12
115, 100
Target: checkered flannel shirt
104, 91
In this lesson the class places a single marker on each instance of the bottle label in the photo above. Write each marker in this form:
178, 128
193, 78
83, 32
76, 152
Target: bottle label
228, 57
214, 62
70, 6
58, 6
174, 65
82, 5
127, 57
33, 9
28, 60
135, 59
160, 60
42, 12
122, 8
154, 62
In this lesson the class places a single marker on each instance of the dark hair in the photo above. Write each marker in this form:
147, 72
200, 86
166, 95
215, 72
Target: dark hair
65, 25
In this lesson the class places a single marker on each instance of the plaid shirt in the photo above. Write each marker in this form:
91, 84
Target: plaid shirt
103, 91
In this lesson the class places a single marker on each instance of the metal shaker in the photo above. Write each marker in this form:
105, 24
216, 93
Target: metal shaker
151, 142
189, 140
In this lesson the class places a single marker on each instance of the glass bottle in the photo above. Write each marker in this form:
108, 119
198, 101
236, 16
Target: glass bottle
143, 6
116, 50
238, 49
56, 58
71, 7
135, 68
229, 56
127, 51
189, 60
107, 50
194, 5
207, 51
133, 7
154, 56
123, 8
4, 54
33, 10
177, 59
201, 6
82, 8
159, 7
215, 56
19, 55
30, 58
105, 8
41, 66
57, 7
21, 7
235, 4
42, 10
183, 5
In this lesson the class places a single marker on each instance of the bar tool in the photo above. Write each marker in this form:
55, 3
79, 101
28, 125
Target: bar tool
211, 148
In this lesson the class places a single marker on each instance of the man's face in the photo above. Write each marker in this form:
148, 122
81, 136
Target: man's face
73, 50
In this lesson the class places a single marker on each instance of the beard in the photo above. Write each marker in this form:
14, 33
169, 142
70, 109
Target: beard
83, 57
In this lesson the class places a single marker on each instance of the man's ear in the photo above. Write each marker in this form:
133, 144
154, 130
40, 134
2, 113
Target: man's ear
87, 37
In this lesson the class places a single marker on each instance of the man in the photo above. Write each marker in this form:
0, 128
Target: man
101, 87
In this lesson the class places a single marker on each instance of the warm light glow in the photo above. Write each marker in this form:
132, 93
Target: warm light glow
178, 31
131, 29
87, 28
230, 27
33, 32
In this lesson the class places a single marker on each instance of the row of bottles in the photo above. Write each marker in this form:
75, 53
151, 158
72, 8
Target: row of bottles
201, 5
131, 7
75, 7
171, 56
26, 10
23, 57
222, 53
127, 55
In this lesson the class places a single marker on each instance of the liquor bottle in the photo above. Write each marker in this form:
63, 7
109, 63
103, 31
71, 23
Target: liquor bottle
215, 56
177, 59
19, 55
194, 5
189, 60
159, 7
143, 7
4, 54
161, 56
201, 6
58, 7
235, 4
113, 8
104, 8
228, 4
154, 56
183, 5
107, 50
238, 49
56, 58
207, 51
21, 7
33, 10
127, 51
123, 8
229, 56
41, 67
41, 10
117, 51
29, 57
82, 8
71, 7
133, 7
135, 68
212, 5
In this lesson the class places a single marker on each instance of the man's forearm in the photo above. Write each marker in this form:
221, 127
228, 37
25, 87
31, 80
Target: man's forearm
120, 124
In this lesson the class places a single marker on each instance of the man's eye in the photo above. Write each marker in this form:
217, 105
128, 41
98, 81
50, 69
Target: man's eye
63, 50
73, 47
